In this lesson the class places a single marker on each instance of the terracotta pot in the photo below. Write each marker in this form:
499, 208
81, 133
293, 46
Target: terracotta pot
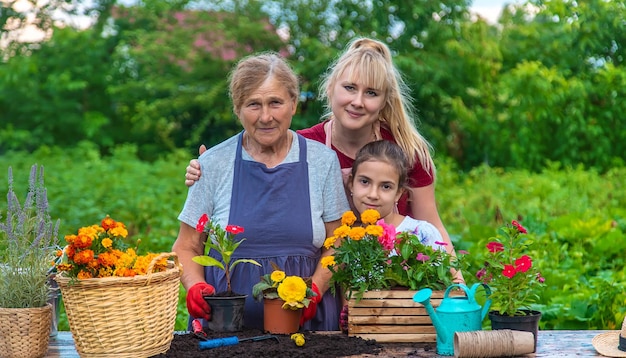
277, 320
528, 322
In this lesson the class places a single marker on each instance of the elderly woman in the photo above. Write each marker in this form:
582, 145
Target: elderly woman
283, 189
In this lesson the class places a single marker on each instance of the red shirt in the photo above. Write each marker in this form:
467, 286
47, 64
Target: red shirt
417, 176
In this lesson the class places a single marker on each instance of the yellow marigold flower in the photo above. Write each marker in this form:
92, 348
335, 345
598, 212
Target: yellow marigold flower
327, 261
70, 238
298, 338
82, 275
357, 233
374, 230
277, 276
64, 267
105, 272
329, 242
107, 243
91, 231
119, 230
342, 231
370, 216
348, 218
292, 290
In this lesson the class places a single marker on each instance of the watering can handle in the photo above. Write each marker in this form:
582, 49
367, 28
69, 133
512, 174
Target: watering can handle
460, 285
487, 304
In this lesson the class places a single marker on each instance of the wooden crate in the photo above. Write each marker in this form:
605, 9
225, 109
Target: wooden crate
391, 316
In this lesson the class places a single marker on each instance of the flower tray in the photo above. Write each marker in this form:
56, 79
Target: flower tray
391, 316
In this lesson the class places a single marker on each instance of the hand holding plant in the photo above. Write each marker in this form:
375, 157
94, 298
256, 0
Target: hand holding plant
223, 242
510, 272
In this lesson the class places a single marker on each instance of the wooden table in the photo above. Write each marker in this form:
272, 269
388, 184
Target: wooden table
549, 344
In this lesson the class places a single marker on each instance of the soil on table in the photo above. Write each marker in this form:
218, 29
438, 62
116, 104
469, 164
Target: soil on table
316, 345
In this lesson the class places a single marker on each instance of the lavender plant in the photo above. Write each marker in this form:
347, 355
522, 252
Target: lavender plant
28, 245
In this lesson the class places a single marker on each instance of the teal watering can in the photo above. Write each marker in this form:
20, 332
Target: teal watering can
454, 314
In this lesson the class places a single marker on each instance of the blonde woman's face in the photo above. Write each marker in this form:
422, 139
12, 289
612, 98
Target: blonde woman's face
266, 113
355, 105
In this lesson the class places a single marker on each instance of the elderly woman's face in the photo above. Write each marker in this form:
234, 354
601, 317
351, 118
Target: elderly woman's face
266, 113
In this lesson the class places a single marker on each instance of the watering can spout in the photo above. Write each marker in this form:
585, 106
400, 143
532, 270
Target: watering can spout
423, 296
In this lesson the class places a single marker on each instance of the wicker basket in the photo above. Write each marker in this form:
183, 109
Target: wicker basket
24, 332
123, 316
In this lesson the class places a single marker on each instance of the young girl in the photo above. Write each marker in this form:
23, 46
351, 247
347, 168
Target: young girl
378, 180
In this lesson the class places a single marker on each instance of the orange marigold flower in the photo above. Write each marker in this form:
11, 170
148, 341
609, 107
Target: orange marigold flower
70, 250
58, 253
107, 259
64, 267
357, 233
329, 242
374, 230
83, 257
370, 216
108, 223
327, 261
348, 218
82, 275
342, 231
83, 241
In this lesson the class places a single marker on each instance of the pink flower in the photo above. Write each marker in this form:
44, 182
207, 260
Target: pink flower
440, 243
495, 247
519, 227
421, 257
388, 238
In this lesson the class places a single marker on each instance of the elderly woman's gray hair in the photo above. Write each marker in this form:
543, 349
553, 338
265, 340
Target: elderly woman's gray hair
252, 71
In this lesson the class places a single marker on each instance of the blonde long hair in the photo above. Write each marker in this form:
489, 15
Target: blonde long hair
370, 62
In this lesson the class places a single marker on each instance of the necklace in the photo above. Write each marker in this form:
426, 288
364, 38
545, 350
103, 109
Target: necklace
336, 142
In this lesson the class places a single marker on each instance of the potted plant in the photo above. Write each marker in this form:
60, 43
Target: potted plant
28, 244
371, 256
227, 308
513, 278
283, 297
106, 284
379, 272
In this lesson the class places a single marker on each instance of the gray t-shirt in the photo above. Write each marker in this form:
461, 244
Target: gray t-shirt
211, 194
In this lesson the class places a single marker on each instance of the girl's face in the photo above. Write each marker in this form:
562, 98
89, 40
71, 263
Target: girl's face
354, 105
375, 186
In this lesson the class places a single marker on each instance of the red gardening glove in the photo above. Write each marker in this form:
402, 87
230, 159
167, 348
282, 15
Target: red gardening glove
196, 305
309, 312
343, 319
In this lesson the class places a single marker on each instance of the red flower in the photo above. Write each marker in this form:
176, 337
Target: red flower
509, 271
204, 219
519, 227
495, 247
234, 229
523, 264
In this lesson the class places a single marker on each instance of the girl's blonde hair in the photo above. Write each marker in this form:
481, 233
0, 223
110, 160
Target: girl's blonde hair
369, 61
